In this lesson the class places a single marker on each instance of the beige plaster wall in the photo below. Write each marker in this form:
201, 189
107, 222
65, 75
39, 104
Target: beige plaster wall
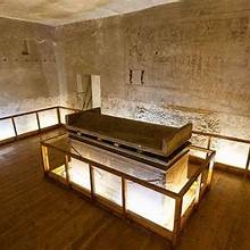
27, 82
195, 58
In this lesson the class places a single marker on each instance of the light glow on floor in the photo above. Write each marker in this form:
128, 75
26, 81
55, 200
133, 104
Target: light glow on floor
145, 202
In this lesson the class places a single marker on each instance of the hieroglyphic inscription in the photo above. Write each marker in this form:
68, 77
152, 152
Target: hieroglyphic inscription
201, 55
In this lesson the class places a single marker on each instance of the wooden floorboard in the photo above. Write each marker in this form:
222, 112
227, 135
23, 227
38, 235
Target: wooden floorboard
38, 214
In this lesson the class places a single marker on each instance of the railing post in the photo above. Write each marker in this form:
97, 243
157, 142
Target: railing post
210, 170
92, 184
58, 115
38, 122
247, 164
209, 142
198, 191
124, 195
45, 158
177, 219
14, 127
67, 168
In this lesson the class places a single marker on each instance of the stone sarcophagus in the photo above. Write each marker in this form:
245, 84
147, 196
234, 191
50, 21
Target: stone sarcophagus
146, 137
152, 144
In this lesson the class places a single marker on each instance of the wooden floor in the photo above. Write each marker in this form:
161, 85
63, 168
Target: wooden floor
37, 214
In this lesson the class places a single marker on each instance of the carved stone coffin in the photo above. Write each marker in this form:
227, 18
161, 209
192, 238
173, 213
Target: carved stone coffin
146, 137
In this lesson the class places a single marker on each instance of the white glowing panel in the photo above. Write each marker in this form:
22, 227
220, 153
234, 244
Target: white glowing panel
108, 186
26, 124
48, 118
79, 173
151, 205
63, 113
189, 197
176, 175
6, 129
120, 163
230, 153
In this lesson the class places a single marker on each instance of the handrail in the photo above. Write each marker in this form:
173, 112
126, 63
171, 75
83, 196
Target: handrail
37, 111
37, 118
190, 183
78, 110
209, 158
72, 109
225, 137
115, 172
200, 148
27, 113
126, 178
229, 138
16, 136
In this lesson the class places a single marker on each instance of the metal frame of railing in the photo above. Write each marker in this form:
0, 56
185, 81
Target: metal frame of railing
17, 136
229, 168
209, 136
179, 218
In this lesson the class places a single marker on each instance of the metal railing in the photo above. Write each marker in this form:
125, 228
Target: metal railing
35, 117
202, 177
13, 123
230, 167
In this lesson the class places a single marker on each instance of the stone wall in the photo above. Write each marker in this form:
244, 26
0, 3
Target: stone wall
184, 61
28, 69
80, 53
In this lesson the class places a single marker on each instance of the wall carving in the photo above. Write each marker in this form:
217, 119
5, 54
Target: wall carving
206, 56
194, 54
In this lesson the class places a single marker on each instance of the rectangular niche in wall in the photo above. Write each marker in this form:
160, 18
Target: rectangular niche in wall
136, 77
96, 91
25, 49
88, 91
